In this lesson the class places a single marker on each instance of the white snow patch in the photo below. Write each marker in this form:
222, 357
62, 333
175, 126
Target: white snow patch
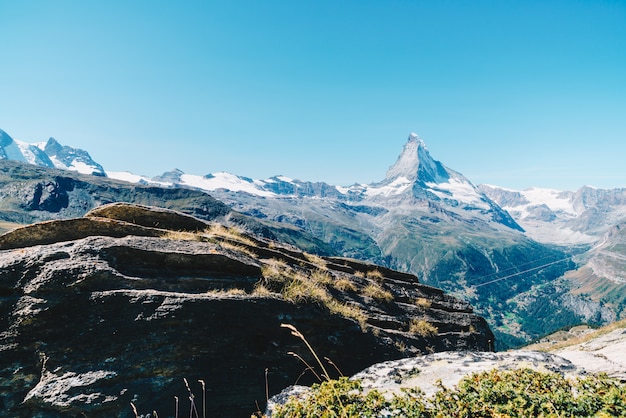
397, 186
27, 152
81, 167
458, 190
41, 145
285, 179
554, 199
223, 181
58, 164
408, 162
132, 178
14, 151
555, 234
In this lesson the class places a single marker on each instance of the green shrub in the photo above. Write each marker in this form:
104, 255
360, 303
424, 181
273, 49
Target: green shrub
335, 398
490, 394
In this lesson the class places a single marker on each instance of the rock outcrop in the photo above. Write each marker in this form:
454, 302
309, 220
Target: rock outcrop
574, 354
120, 305
430, 372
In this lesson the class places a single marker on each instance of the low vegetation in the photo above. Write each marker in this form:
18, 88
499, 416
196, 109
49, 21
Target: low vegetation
232, 233
422, 328
376, 292
375, 275
295, 286
494, 393
344, 285
423, 302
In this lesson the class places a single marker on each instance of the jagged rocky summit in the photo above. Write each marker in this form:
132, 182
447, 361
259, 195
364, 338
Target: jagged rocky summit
120, 305
49, 154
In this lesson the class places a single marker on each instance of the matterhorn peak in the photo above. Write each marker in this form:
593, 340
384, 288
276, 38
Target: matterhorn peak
416, 164
414, 137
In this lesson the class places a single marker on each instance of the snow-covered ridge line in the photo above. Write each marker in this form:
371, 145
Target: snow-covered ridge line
48, 154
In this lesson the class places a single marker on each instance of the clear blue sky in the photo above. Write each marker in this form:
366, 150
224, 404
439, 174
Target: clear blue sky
512, 93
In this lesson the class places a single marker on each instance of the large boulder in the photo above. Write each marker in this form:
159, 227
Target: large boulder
94, 318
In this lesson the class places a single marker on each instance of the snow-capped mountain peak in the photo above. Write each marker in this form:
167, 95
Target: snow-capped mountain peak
11, 149
48, 154
69, 158
416, 165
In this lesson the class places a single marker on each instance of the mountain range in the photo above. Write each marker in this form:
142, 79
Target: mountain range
48, 154
530, 261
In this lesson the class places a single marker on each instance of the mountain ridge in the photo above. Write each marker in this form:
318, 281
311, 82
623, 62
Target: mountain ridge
429, 220
49, 154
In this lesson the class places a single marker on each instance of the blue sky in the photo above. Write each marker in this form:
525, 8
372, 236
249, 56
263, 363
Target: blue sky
512, 93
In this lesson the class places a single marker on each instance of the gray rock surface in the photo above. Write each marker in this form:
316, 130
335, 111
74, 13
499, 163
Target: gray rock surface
425, 371
603, 354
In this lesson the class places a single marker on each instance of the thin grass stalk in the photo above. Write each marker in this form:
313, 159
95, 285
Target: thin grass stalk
334, 365
308, 366
203, 397
132, 405
267, 387
296, 333
192, 406
176, 400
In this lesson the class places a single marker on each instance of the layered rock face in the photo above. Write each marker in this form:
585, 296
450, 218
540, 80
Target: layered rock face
123, 304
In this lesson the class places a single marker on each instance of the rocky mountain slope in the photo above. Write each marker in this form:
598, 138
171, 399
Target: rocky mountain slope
122, 304
49, 154
29, 193
562, 217
590, 222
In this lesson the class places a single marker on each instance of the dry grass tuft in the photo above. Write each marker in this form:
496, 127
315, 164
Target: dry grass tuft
182, 236
315, 259
321, 277
235, 292
237, 248
261, 290
349, 311
275, 270
375, 275
376, 292
423, 328
228, 292
301, 288
423, 302
232, 233
295, 286
344, 285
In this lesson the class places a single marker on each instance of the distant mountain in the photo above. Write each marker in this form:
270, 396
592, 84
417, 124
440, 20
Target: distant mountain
562, 217
49, 154
416, 176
